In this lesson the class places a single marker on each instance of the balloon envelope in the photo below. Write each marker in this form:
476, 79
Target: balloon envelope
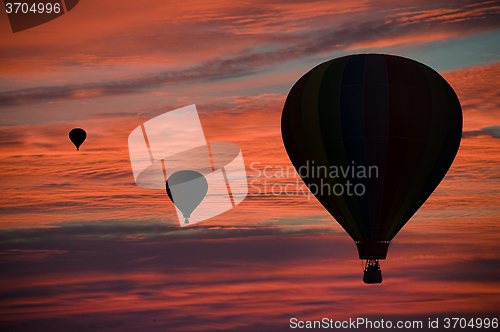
77, 136
381, 132
186, 189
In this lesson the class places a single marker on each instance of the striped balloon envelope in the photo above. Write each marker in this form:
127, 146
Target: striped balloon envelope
372, 136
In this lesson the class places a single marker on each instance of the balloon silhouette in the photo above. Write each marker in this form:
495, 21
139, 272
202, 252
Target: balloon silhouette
77, 136
378, 134
189, 189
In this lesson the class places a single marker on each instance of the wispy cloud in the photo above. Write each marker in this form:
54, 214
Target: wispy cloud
493, 131
235, 279
248, 41
479, 95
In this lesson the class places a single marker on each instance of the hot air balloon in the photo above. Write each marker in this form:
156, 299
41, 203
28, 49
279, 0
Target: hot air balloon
379, 133
186, 189
77, 136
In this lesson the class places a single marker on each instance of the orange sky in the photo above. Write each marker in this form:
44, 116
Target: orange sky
81, 244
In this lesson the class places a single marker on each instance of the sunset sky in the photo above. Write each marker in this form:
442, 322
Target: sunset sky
83, 248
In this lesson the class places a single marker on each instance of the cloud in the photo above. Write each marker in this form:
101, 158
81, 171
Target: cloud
493, 131
213, 70
8, 136
479, 95
52, 185
127, 276
259, 50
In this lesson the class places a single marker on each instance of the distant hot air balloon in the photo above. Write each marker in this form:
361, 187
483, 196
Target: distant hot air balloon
77, 136
384, 127
189, 188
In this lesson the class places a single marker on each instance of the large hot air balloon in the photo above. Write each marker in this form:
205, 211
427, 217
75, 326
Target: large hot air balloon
186, 189
77, 136
372, 136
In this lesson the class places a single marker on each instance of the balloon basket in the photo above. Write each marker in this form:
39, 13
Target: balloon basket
372, 273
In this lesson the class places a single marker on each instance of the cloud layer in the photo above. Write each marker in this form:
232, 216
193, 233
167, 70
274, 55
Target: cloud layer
220, 42
231, 279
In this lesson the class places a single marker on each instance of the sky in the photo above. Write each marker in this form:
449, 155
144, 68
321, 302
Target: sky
83, 248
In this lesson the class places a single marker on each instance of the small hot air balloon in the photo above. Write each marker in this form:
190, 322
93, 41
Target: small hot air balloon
386, 114
186, 189
77, 136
